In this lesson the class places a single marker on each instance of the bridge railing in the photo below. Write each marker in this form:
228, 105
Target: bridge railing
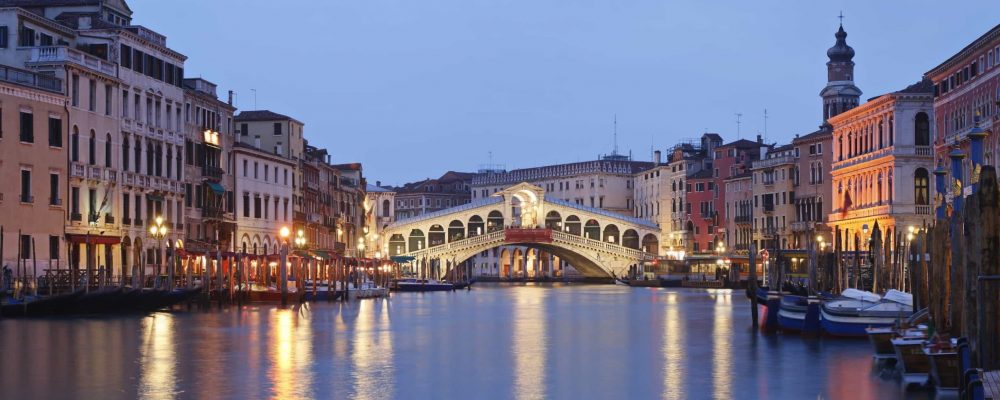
499, 236
461, 244
601, 245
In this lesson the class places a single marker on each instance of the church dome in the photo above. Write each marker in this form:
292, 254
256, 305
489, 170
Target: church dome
840, 52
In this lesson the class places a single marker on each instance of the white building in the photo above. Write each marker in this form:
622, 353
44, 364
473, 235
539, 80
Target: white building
263, 187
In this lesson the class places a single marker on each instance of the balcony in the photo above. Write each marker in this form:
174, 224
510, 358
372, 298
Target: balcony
93, 218
213, 213
77, 170
75, 217
109, 219
55, 202
768, 207
772, 162
742, 219
880, 210
299, 216
127, 221
912, 151
94, 172
53, 54
212, 172
315, 218
803, 226
28, 78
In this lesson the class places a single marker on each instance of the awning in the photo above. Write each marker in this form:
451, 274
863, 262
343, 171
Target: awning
402, 259
322, 254
302, 253
217, 188
92, 239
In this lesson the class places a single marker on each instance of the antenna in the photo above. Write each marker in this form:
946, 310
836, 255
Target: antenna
615, 150
738, 123
765, 125
841, 17
254, 98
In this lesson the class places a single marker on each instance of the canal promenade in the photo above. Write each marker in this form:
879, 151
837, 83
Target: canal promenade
499, 341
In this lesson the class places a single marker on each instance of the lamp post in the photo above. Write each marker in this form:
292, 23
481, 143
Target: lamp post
158, 231
284, 232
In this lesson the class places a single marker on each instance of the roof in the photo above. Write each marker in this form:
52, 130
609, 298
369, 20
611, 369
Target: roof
814, 135
961, 53
924, 86
377, 189
261, 115
703, 174
601, 211
348, 166
744, 175
486, 201
742, 143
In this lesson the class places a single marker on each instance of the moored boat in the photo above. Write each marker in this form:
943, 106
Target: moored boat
855, 310
913, 364
881, 340
945, 373
792, 312
420, 285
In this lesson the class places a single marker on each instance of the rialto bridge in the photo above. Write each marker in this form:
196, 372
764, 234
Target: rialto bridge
598, 243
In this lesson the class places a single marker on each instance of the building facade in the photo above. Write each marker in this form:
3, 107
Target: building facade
429, 195
33, 158
812, 187
264, 194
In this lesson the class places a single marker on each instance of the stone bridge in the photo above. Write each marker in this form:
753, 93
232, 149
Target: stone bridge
598, 243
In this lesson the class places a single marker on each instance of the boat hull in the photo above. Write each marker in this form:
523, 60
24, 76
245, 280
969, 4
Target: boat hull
838, 324
424, 287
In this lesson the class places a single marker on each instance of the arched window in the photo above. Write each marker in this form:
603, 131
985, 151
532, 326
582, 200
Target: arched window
125, 158
922, 130
892, 130
75, 144
107, 150
881, 136
385, 208
921, 187
92, 149
138, 155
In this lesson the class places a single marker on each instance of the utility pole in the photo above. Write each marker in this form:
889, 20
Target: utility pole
738, 123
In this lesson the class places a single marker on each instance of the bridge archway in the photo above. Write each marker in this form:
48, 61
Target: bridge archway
456, 231
651, 244
572, 225
592, 230
417, 240
494, 221
397, 245
611, 234
630, 239
476, 226
518, 263
553, 220
435, 236
505, 262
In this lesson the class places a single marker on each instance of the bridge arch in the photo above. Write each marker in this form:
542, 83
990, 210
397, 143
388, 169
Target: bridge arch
435, 235
494, 221
611, 234
572, 225
417, 240
553, 220
592, 230
456, 231
476, 226
651, 244
397, 245
630, 239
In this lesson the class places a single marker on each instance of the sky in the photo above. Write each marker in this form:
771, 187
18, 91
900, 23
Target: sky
414, 88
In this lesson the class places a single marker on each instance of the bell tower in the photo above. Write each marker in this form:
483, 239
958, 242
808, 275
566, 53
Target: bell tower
840, 94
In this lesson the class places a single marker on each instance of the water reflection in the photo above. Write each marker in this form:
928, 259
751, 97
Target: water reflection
722, 345
371, 353
158, 360
673, 351
530, 344
290, 353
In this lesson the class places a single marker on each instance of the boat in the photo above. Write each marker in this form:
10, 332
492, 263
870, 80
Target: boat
855, 310
464, 285
621, 282
420, 285
881, 340
792, 312
945, 373
40, 306
107, 301
913, 364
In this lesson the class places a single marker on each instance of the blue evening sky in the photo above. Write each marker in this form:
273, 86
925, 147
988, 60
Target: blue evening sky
413, 88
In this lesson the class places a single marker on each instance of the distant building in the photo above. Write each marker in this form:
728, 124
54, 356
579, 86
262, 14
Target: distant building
264, 192
774, 198
813, 187
429, 195
380, 209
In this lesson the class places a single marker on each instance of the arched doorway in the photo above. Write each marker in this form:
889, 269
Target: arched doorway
572, 225
494, 221
505, 263
611, 234
417, 240
553, 220
435, 236
456, 231
518, 263
651, 244
630, 239
592, 230
476, 226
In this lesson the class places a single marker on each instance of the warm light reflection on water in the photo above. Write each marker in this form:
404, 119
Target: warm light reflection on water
494, 342
722, 345
673, 351
158, 362
530, 343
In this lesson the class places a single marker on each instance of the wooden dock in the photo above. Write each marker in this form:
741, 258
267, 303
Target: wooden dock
991, 384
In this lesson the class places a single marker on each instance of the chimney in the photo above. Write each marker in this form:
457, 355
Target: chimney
83, 22
656, 158
378, 183
230, 97
760, 139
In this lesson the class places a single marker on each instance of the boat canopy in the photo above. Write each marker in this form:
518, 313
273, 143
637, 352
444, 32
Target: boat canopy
861, 295
899, 297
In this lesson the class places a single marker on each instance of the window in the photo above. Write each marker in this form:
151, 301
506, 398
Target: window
27, 128
75, 89
256, 207
246, 205
54, 190
244, 130
125, 154
277, 128
92, 148
53, 247
4, 37
107, 99
921, 134
921, 187
107, 150
26, 186
92, 99
26, 37
74, 203
126, 56
126, 205
55, 132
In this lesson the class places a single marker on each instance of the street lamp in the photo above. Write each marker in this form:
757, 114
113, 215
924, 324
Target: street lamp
284, 233
158, 231
300, 239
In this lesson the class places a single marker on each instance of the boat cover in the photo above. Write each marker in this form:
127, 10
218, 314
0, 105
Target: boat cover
899, 297
861, 295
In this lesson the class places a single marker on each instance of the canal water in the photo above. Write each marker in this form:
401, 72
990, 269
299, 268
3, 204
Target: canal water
494, 342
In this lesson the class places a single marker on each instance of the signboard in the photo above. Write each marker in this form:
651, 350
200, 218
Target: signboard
516, 235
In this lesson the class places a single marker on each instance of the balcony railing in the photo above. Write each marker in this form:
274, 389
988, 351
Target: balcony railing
48, 54
109, 219
29, 78
55, 202
75, 217
77, 170
742, 219
213, 213
212, 172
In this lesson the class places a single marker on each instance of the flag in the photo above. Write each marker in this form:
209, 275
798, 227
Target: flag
847, 203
